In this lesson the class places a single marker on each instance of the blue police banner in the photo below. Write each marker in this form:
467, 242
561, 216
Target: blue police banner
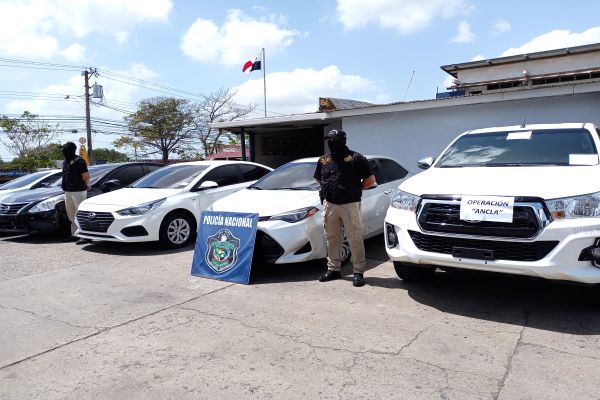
224, 246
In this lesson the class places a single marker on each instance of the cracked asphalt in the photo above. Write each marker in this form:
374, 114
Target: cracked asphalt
113, 321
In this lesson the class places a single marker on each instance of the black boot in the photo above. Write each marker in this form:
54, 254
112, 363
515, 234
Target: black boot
330, 275
358, 280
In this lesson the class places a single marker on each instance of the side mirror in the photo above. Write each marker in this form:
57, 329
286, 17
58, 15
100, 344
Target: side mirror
207, 185
425, 163
111, 184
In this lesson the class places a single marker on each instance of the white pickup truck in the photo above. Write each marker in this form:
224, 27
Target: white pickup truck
517, 199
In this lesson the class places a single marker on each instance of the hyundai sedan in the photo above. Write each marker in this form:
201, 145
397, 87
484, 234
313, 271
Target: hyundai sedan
166, 204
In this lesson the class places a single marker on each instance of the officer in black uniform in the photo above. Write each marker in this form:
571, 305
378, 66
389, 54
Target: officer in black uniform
343, 175
75, 183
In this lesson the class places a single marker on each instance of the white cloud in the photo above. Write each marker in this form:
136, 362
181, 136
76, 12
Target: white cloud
298, 91
448, 81
74, 52
118, 94
403, 16
464, 35
33, 28
501, 26
237, 40
555, 40
478, 57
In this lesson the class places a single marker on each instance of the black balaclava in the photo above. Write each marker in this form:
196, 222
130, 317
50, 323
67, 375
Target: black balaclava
68, 150
337, 147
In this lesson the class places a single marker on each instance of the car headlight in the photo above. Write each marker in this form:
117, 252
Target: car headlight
142, 208
48, 204
405, 201
295, 215
587, 205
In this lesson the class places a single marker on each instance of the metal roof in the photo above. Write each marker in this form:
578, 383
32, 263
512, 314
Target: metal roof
452, 69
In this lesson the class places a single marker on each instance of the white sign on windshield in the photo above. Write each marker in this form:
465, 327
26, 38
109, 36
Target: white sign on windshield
583, 159
487, 208
525, 135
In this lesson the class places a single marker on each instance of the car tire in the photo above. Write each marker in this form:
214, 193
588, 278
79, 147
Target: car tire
413, 273
176, 230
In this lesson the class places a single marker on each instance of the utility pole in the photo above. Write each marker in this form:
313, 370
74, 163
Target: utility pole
88, 122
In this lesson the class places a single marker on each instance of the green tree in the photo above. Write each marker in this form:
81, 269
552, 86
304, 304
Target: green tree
217, 107
26, 136
161, 125
110, 155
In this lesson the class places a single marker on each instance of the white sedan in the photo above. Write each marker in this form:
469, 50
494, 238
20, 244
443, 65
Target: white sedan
31, 181
164, 205
290, 227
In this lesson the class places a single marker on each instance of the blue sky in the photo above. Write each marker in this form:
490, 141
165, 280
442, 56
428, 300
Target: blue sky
363, 50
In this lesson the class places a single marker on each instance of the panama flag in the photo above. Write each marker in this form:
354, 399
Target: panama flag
250, 66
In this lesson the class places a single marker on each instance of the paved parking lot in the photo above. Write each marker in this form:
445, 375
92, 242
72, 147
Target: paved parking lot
108, 321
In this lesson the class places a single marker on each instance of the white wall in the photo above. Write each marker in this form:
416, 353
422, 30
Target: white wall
411, 135
572, 62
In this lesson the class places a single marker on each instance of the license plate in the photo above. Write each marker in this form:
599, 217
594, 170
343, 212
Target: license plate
91, 226
475, 254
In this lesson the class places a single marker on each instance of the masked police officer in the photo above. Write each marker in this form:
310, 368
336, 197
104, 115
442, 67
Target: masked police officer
343, 175
75, 183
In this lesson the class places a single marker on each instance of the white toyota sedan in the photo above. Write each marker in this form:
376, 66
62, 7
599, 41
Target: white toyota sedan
290, 227
164, 205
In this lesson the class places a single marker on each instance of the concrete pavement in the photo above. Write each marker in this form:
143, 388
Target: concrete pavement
111, 321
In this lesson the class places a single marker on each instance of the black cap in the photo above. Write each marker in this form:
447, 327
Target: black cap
336, 134
69, 145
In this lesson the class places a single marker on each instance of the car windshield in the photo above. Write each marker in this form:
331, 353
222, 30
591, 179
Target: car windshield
96, 173
173, 177
292, 176
23, 180
521, 148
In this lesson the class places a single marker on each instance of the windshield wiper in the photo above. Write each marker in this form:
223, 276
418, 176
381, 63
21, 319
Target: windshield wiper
522, 164
292, 188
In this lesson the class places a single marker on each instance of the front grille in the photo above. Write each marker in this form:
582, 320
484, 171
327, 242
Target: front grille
266, 249
94, 221
514, 251
445, 217
11, 209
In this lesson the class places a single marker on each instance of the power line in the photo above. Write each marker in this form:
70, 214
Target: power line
114, 76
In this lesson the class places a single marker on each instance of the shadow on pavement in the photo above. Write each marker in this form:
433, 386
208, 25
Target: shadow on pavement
308, 271
278, 273
514, 300
40, 238
132, 249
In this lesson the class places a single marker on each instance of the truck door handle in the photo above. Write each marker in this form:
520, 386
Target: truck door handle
387, 191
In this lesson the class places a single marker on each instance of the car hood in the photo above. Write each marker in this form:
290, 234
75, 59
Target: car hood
267, 202
131, 197
31, 196
545, 182
11, 192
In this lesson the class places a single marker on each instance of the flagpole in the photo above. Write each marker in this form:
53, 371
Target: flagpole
264, 80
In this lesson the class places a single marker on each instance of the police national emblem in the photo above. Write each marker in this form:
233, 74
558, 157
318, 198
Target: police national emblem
349, 158
221, 251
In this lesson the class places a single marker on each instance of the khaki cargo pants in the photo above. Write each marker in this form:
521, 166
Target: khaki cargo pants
72, 202
337, 220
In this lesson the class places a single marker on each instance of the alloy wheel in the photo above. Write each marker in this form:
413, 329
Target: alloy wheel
178, 231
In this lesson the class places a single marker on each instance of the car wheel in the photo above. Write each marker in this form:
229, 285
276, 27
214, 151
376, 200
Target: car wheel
413, 273
176, 230
345, 252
